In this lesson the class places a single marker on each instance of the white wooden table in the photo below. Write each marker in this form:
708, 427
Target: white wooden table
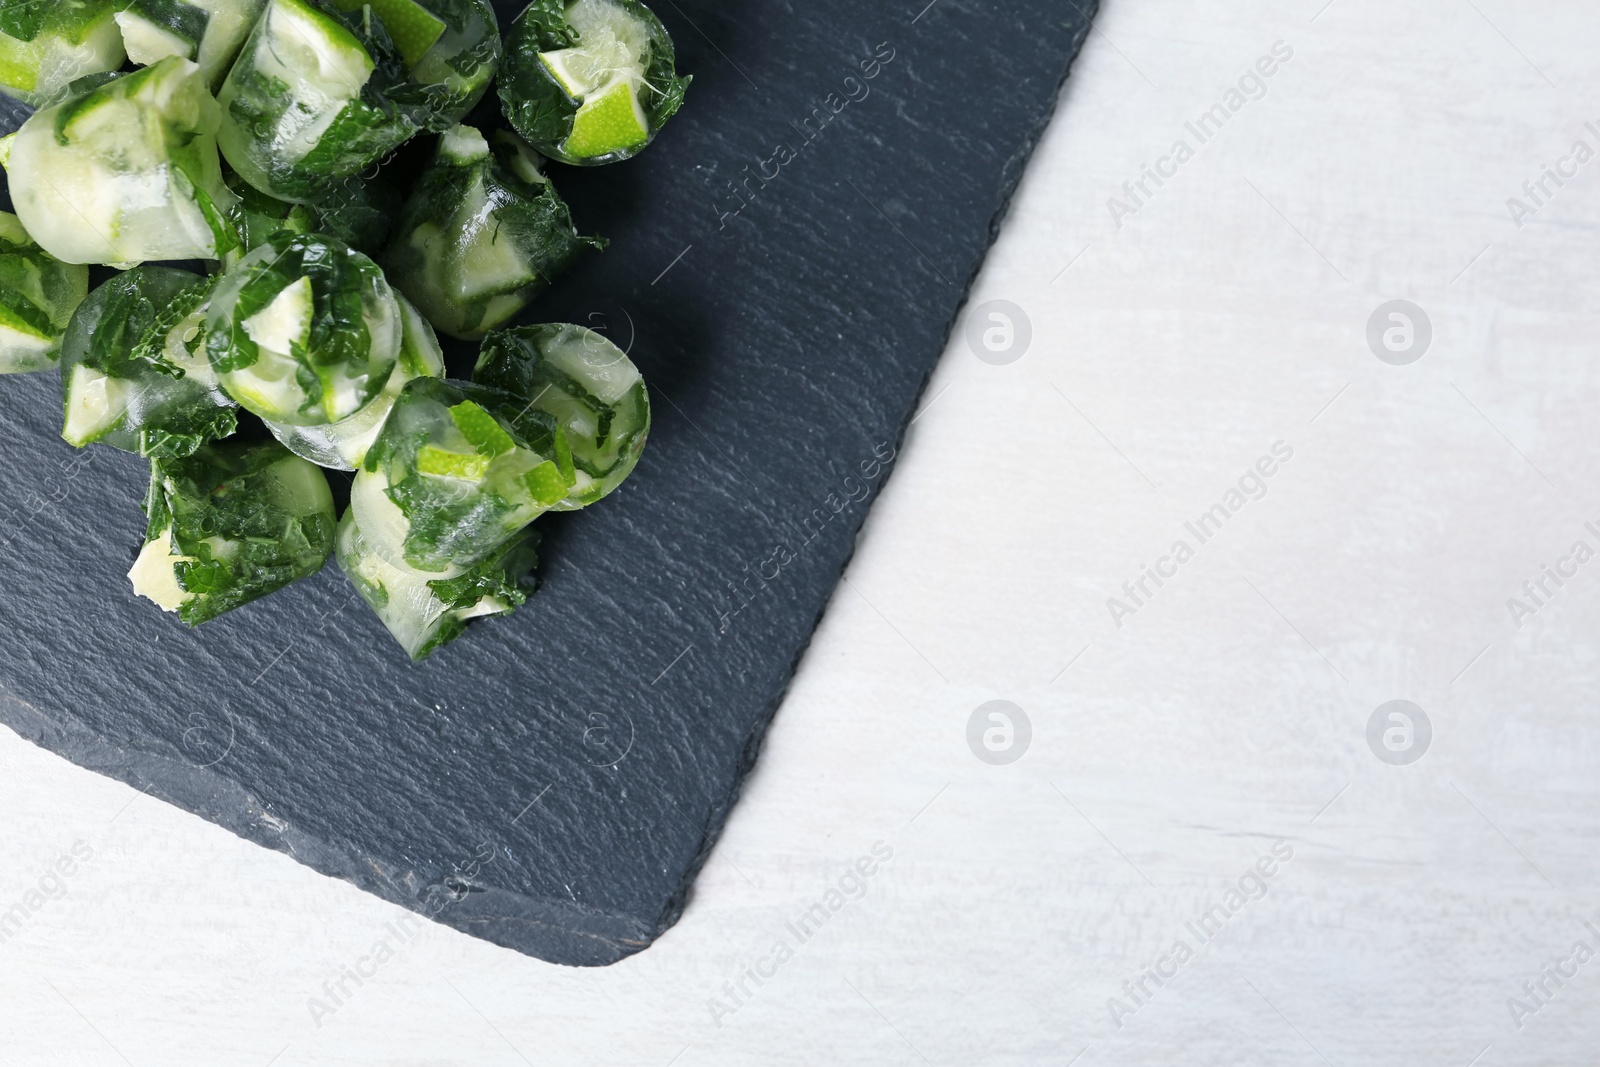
1100, 896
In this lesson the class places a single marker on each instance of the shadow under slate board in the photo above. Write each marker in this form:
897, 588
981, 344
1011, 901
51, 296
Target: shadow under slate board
785, 265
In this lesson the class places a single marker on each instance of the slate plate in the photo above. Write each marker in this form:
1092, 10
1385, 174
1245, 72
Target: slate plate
553, 782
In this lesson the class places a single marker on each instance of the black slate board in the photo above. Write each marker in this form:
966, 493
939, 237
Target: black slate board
553, 782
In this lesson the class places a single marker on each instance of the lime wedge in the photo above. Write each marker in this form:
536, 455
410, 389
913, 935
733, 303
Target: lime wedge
443, 463
479, 427
462, 144
545, 483
286, 321
155, 573
19, 64
610, 120
146, 43
94, 403
573, 70
413, 27
14, 321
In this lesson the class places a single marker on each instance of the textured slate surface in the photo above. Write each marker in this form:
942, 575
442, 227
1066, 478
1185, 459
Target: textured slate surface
553, 782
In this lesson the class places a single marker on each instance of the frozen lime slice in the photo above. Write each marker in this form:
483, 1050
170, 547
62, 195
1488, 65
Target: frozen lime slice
610, 120
155, 573
286, 321
19, 64
545, 484
413, 27
462, 145
147, 43
16, 322
431, 459
573, 70
94, 403
602, 54
479, 427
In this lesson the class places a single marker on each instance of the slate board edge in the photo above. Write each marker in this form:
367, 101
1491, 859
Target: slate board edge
1011, 177
545, 928
532, 926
